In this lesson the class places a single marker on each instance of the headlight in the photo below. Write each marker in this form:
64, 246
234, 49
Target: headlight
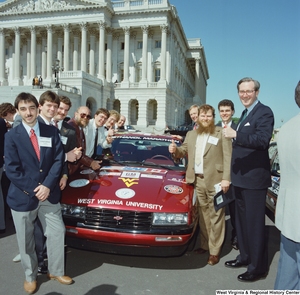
169, 218
74, 211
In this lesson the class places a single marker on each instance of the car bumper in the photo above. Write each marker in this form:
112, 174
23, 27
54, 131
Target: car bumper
128, 243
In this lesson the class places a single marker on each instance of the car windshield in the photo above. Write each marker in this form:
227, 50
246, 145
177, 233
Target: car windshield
146, 150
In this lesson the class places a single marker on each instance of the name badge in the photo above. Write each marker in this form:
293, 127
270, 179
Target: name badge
45, 142
64, 140
213, 140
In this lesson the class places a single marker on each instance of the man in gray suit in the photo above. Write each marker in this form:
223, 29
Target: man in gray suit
288, 203
34, 157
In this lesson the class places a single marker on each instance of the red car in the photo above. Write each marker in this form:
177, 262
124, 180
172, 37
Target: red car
138, 203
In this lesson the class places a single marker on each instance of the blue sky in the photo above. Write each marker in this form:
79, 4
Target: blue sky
258, 39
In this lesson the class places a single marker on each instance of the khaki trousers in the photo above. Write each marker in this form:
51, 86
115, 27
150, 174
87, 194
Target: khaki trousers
212, 223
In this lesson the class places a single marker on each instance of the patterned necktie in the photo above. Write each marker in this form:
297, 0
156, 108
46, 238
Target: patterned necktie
55, 123
35, 143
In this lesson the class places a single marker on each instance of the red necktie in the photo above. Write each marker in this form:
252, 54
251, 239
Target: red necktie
35, 143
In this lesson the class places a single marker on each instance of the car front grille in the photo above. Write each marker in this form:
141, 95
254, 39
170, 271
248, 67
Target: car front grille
118, 219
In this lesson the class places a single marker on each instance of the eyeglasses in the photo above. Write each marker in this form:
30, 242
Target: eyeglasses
83, 115
248, 92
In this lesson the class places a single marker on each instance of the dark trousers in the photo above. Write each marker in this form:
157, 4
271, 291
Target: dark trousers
231, 208
250, 227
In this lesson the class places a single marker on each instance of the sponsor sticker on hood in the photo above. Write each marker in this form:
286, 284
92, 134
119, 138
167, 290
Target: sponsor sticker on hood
173, 189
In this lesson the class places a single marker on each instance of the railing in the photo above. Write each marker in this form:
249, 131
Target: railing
134, 3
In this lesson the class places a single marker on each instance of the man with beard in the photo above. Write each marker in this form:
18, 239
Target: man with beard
81, 119
209, 164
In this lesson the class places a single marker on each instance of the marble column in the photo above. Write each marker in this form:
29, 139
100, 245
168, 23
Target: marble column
92, 51
28, 67
109, 32
145, 30
115, 66
49, 52
44, 54
83, 27
164, 29
126, 54
197, 77
17, 80
33, 52
66, 63
2, 56
76, 34
60, 36
149, 59
102, 26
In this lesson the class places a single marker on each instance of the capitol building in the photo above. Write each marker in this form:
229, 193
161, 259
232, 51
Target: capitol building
130, 55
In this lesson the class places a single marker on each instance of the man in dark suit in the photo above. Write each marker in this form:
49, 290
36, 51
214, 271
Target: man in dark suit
33, 158
81, 119
67, 136
251, 177
226, 111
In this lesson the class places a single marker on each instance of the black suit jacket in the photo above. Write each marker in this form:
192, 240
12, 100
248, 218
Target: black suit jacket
3, 130
250, 164
68, 138
233, 125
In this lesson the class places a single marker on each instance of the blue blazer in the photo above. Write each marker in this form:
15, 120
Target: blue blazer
25, 171
250, 163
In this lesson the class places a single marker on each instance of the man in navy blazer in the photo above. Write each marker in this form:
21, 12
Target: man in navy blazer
34, 190
251, 177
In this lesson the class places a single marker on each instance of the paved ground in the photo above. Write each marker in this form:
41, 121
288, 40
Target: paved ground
103, 274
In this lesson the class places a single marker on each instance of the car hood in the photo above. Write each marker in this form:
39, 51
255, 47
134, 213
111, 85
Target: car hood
130, 188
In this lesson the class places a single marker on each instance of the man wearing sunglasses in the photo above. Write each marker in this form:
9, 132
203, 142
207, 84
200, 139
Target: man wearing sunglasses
81, 119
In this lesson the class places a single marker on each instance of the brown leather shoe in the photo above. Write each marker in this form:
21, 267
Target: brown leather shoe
62, 279
200, 251
30, 287
213, 259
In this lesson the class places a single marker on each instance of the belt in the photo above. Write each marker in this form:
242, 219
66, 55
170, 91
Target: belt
200, 176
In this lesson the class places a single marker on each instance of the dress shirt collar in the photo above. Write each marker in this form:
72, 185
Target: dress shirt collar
36, 128
252, 107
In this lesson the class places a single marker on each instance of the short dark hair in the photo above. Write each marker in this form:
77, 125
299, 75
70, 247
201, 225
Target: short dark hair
49, 96
28, 97
7, 108
226, 103
248, 79
102, 111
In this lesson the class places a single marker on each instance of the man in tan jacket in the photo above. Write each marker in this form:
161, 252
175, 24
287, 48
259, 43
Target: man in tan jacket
209, 156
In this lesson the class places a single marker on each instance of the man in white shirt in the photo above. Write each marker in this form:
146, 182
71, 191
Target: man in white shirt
95, 133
